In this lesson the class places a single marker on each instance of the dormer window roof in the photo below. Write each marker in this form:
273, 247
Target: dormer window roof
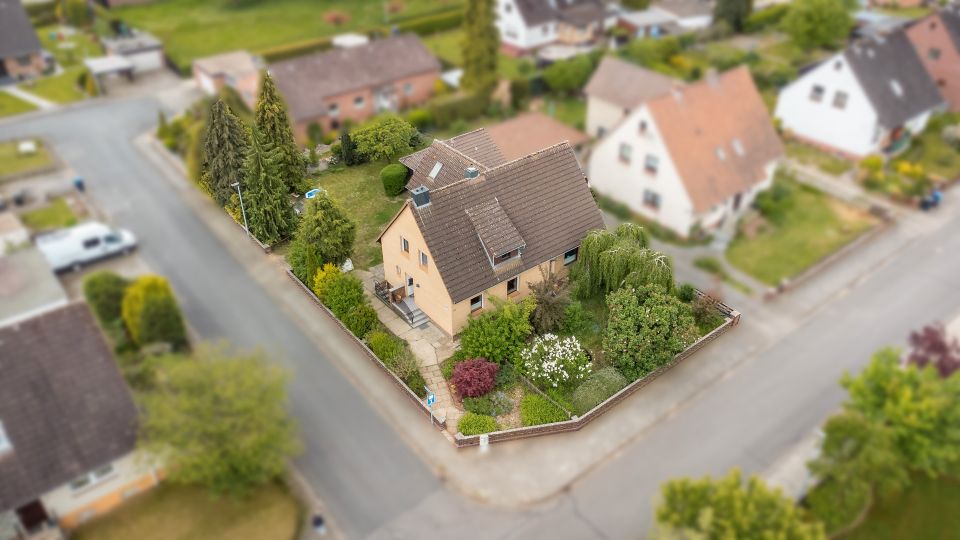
500, 238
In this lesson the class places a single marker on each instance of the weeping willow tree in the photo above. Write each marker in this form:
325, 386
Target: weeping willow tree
609, 260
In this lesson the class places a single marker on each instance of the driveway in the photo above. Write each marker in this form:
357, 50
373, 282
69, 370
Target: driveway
357, 457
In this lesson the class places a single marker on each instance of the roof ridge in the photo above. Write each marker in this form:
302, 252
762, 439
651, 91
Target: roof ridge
461, 154
503, 166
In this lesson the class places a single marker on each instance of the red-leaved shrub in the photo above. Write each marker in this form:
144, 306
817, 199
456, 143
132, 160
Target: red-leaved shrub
474, 377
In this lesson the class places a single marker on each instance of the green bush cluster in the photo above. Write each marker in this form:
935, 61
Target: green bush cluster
775, 202
343, 293
577, 321
104, 292
297, 48
420, 118
150, 313
497, 335
476, 424
686, 292
394, 179
597, 388
536, 410
361, 319
432, 24
493, 404
394, 354
446, 109
769, 17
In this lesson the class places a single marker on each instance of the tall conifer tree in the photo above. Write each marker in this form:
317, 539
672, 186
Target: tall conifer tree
225, 151
269, 214
481, 42
274, 123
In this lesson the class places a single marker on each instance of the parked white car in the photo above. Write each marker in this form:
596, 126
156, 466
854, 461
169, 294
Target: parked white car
84, 243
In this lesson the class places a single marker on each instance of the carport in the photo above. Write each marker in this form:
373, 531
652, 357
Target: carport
107, 66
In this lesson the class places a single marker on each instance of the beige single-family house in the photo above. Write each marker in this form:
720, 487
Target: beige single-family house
616, 88
479, 226
68, 426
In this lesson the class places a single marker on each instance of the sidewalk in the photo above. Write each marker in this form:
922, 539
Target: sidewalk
29, 97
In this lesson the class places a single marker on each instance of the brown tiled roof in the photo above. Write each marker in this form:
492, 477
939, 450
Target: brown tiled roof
17, 36
719, 135
306, 80
476, 145
493, 226
527, 133
625, 84
535, 12
544, 196
63, 404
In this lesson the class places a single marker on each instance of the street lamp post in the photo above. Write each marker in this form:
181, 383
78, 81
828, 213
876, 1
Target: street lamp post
242, 210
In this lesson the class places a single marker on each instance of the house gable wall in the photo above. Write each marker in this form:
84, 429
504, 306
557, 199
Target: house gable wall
853, 130
514, 31
626, 182
602, 115
930, 35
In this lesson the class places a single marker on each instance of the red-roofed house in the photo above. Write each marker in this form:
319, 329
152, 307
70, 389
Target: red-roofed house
694, 156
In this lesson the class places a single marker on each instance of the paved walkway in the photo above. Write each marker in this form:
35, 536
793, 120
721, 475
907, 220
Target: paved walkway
29, 97
427, 342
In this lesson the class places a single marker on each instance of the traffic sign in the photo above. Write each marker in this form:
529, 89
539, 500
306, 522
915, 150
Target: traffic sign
431, 399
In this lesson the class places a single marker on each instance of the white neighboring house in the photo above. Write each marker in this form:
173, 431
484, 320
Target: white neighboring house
525, 25
694, 156
142, 49
865, 100
616, 88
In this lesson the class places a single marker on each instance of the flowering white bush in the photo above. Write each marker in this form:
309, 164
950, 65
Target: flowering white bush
554, 361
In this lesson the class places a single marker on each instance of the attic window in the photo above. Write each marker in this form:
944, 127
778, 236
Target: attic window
738, 147
895, 86
643, 126
816, 93
435, 171
504, 257
721, 154
5, 444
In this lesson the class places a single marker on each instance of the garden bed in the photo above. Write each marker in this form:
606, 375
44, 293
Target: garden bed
56, 215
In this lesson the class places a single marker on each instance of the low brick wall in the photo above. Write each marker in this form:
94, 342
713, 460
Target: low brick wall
421, 407
574, 424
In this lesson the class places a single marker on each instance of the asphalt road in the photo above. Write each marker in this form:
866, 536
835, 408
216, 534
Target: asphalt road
376, 486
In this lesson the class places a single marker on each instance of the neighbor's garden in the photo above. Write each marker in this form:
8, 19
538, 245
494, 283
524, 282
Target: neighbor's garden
795, 227
578, 339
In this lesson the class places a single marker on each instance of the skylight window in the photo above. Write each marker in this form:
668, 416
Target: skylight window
436, 170
895, 86
5, 444
721, 154
738, 147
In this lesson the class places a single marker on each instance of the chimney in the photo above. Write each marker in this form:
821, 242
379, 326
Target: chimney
471, 172
421, 196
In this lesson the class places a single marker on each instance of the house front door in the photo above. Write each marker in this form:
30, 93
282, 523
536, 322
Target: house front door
409, 286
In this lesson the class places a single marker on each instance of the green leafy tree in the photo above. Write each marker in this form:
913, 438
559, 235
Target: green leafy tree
75, 12
858, 457
609, 260
920, 408
151, 314
646, 328
550, 295
498, 335
272, 120
481, 43
818, 23
104, 292
220, 420
325, 235
348, 150
569, 76
726, 508
269, 213
225, 152
733, 12
343, 293
383, 138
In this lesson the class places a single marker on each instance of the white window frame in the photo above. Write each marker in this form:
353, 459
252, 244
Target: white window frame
516, 288
651, 164
359, 102
625, 153
424, 260
92, 478
333, 109
479, 304
571, 256
407, 89
404, 245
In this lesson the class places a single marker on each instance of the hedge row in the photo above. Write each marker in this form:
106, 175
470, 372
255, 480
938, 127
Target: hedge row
297, 48
452, 107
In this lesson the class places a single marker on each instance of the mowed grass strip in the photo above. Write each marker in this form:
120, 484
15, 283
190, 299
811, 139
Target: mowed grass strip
172, 512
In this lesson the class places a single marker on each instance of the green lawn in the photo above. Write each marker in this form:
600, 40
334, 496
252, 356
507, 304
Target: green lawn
60, 88
447, 47
191, 29
926, 510
172, 512
808, 155
55, 215
930, 150
813, 226
13, 163
570, 111
84, 45
10, 105
360, 193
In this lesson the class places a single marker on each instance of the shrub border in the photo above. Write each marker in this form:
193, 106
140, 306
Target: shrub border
440, 423
575, 423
